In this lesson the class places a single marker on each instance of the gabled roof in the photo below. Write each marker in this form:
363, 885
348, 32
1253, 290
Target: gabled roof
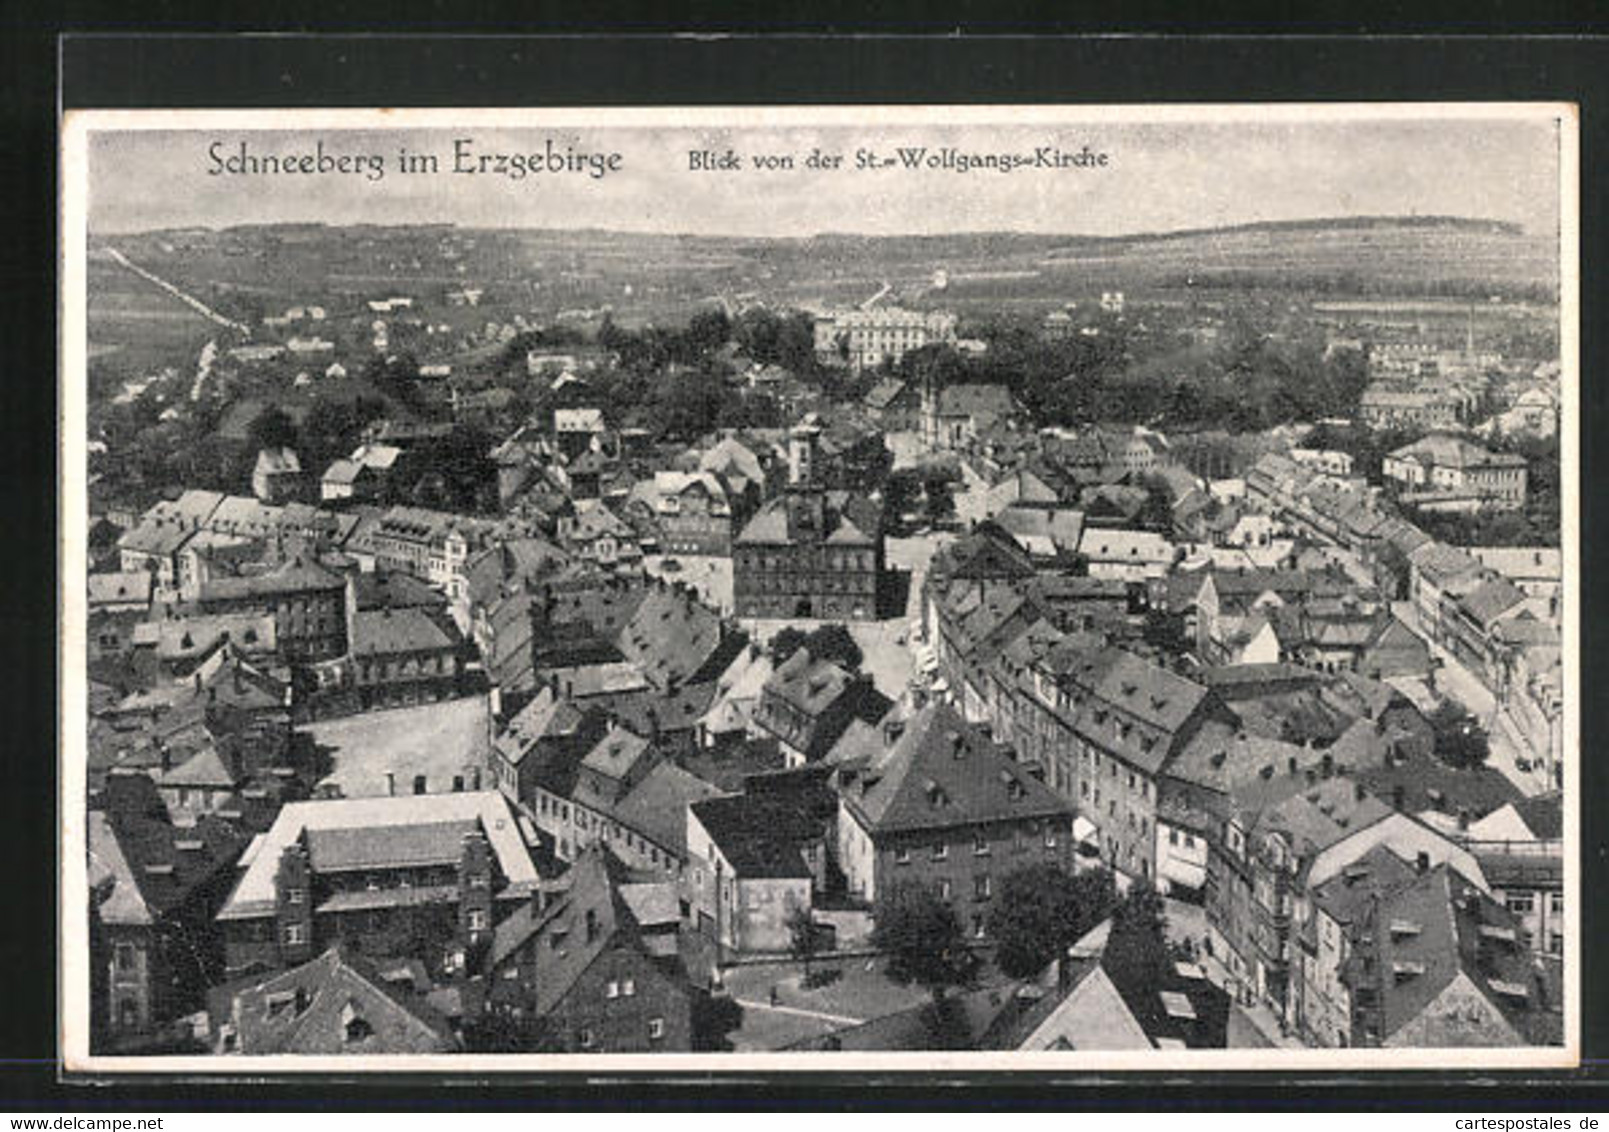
1491, 600
806, 683
336, 1004
277, 461
941, 773
544, 717
671, 636
1321, 815
1461, 931
565, 947
761, 834
357, 849
169, 864
884, 393
132, 588
387, 631
657, 806
254, 893
206, 768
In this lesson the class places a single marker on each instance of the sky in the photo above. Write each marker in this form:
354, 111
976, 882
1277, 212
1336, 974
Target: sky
1159, 176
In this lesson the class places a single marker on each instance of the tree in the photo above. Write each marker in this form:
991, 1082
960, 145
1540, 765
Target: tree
1042, 910
787, 641
1137, 954
498, 1031
803, 939
1460, 741
833, 642
922, 938
272, 429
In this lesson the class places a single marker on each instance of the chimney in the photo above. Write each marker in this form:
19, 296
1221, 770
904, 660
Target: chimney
1421, 862
1463, 818
1293, 766
390, 784
1357, 791
1327, 766
1399, 795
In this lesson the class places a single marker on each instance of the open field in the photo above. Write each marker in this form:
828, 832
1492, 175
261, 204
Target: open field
660, 277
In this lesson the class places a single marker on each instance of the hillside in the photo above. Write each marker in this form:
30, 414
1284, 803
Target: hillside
663, 276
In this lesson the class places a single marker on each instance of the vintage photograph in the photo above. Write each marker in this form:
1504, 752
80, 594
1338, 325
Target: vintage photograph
904, 586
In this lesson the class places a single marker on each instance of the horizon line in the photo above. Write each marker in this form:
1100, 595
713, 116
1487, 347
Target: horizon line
1514, 226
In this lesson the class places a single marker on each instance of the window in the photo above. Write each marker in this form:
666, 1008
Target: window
584, 1039
1556, 943
1521, 902
981, 887
656, 1029
1050, 837
980, 844
479, 880
477, 920
295, 895
628, 988
611, 989
1556, 903
946, 890
902, 856
125, 957
295, 934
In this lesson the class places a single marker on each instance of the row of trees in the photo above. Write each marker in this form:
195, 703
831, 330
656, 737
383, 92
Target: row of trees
1040, 912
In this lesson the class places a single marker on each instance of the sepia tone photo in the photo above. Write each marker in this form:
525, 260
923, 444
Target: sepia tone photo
1042, 587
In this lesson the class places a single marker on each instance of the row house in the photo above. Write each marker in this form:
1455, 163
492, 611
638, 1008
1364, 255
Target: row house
598, 966
1439, 964
389, 875
1385, 406
758, 859
402, 657
154, 888
1444, 464
807, 704
307, 601
944, 809
1520, 847
1284, 837
621, 793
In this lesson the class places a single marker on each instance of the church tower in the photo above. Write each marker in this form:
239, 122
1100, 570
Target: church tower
806, 499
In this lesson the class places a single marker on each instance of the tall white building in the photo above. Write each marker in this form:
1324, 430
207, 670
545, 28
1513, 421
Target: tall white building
867, 338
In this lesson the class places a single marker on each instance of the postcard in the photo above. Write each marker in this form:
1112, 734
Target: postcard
763, 589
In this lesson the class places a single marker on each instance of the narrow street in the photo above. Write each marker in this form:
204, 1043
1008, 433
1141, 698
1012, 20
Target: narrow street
188, 300
1455, 681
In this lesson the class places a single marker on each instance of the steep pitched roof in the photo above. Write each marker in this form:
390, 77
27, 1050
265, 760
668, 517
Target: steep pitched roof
671, 636
808, 684
657, 806
939, 773
336, 1004
589, 918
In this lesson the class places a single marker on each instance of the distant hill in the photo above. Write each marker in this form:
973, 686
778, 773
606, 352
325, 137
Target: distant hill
663, 275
